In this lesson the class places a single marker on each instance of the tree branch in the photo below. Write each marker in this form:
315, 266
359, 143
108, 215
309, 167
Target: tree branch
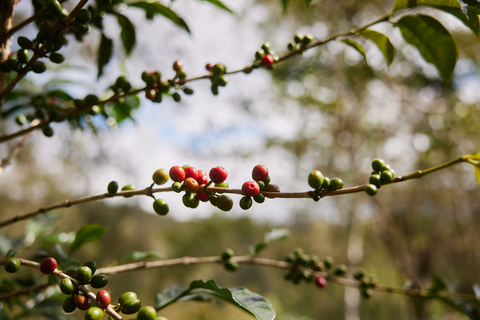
8, 160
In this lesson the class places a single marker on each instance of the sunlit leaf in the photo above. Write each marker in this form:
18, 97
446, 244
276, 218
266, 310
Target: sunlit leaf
88, 233
383, 43
219, 4
127, 34
477, 174
470, 20
432, 40
59, 94
355, 45
158, 8
438, 284
400, 4
104, 53
307, 3
284, 5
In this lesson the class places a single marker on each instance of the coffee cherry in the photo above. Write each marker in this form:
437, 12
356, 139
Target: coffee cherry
67, 286
378, 165
83, 302
191, 172
386, 176
271, 188
328, 262
359, 274
103, 299
182, 75
46, 29
259, 198
335, 184
92, 265
94, 313
127, 295
371, 189
214, 90
177, 187
23, 55
190, 185
250, 188
99, 281
340, 270
213, 200
222, 81
176, 97
209, 67
219, 69
188, 200
177, 65
147, 313
267, 61
56, 58
375, 180
83, 16
131, 306
112, 188
177, 173
202, 196
291, 46
69, 305
12, 265
202, 177
320, 282
246, 203
160, 176
39, 67
224, 184
48, 265
218, 174
160, 206
315, 179
227, 254
25, 43
188, 91
129, 187
260, 172
54, 7
84, 274
224, 203
231, 265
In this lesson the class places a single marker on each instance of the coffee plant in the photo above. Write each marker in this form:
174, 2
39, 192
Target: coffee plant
72, 284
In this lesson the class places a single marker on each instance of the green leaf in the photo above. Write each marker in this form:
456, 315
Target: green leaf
432, 40
383, 43
437, 284
276, 235
356, 46
477, 174
220, 4
104, 53
87, 234
59, 94
470, 20
400, 4
284, 5
158, 8
243, 298
307, 3
127, 34
138, 256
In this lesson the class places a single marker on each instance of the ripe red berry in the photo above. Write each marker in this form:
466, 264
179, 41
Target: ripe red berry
250, 188
177, 173
191, 172
202, 177
321, 282
267, 60
202, 196
103, 299
83, 302
48, 265
260, 173
209, 66
218, 174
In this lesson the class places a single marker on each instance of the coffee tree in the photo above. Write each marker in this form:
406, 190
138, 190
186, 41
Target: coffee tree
24, 292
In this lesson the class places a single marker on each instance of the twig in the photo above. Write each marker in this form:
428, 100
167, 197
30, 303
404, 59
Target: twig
8, 160
286, 195
22, 291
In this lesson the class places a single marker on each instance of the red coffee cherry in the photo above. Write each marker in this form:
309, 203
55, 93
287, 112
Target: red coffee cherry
218, 174
260, 173
177, 173
191, 172
48, 265
250, 188
202, 177
320, 282
103, 299
190, 185
267, 60
83, 302
209, 66
202, 196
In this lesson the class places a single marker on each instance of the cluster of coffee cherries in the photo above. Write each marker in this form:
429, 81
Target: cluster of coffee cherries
382, 174
299, 41
251, 189
228, 263
304, 266
217, 77
155, 87
265, 57
317, 181
366, 282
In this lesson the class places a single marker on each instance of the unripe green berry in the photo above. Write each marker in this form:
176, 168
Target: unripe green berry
147, 313
359, 274
266, 47
131, 306
25, 43
57, 58
54, 7
227, 254
214, 90
99, 281
340, 270
176, 97
129, 187
91, 100
84, 16
371, 189
328, 262
259, 54
291, 46
160, 206
12, 265
127, 295
375, 180
94, 313
386, 176
20, 119
160, 176
335, 184
231, 265
92, 265
69, 305
182, 75
315, 179
46, 29
112, 187
23, 55
67, 286
39, 67
259, 198
224, 203
298, 38
48, 45
246, 203
222, 81
84, 274
177, 187
188, 91
378, 165
14, 65
48, 131
219, 69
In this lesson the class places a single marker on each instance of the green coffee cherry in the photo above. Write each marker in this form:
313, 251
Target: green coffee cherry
99, 281
48, 131
48, 45
20, 119
24, 43
359, 274
188, 91
147, 313
227, 254
259, 198
340, 270
335, 184
94, 313
84, 16
259, 54
315, 179
266, 47
127, 295
67, 286
129, 187
246, 203
160, 206
69, 305
57, 58
231, 265
84, 274
224, 203
328, 262
13, 65
160, 176
188, 199
112, 187
54, 7
378, 165
12, 265
177, 187
23, 55
92, 265
371, 189
46, 29
219, 69
91, 100
176, 97
386, 176
375, 180
222, 81
39, 67
214, 90
131, 306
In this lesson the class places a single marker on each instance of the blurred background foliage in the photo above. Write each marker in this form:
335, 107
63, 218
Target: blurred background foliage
341, 114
